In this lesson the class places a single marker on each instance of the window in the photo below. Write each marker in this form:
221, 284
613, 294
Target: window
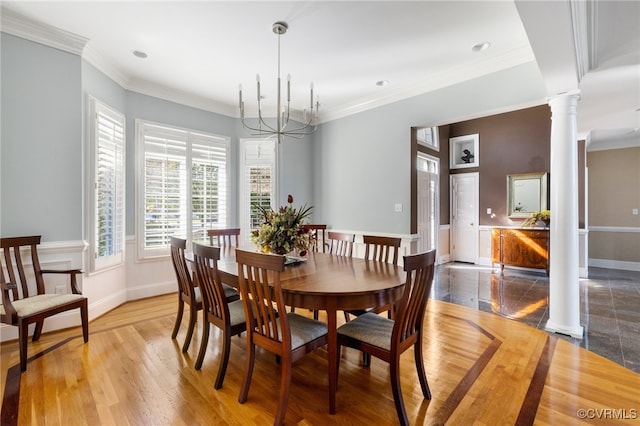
428, 136
182, 190
258, 181
428, 201
108, 190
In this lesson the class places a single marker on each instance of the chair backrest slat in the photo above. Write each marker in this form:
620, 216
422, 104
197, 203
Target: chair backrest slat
382, 249
213, 297
341, 243
259, 280
224, 237
178, 246
318, 236
412, 305
15, 268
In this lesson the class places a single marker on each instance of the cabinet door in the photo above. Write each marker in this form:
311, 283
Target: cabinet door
495, 245
537, 253
525, 248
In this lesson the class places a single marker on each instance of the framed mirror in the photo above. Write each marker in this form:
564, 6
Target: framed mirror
526, 193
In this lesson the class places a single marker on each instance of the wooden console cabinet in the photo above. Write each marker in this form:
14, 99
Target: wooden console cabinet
524, 247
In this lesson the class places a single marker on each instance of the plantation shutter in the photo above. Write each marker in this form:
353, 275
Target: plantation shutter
184, 189
209, 185
259, 177
109, 186
165, 182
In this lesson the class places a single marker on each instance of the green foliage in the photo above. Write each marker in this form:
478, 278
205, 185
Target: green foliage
283, 231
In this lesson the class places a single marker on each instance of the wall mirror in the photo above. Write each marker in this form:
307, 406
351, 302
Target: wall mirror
526, 193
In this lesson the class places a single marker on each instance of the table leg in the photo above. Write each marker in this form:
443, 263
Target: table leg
332, 350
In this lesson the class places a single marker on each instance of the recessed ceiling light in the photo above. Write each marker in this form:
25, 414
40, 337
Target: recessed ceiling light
481, 46
382, 83
139, 54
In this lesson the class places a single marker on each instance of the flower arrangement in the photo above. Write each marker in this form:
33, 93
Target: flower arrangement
283, 231
543, 216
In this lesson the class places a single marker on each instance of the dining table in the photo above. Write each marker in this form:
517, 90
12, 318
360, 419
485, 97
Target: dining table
330, 283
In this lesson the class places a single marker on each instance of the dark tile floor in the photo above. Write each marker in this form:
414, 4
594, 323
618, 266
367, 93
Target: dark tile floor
609, 303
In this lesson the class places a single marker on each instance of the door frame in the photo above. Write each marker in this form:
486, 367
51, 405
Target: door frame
436, 199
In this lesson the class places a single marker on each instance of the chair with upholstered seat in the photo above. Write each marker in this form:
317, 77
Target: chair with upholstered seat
341, 243
19, 307
227, 316
387, 339
224, 237
287, 335
189, 291
378, 249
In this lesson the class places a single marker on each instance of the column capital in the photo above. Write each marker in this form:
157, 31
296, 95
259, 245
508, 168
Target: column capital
566, 99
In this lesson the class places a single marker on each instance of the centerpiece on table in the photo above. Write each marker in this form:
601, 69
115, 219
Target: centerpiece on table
535, 217
283, 232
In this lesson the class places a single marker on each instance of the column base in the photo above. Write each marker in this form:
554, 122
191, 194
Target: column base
575, 332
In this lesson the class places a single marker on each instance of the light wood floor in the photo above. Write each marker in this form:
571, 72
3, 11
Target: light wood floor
482, 369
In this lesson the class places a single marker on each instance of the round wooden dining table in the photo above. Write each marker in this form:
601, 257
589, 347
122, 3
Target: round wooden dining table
330, 283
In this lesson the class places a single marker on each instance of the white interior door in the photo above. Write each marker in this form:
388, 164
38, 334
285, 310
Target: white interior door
464, 217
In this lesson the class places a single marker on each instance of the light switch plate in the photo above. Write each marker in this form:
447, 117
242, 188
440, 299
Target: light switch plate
398, 207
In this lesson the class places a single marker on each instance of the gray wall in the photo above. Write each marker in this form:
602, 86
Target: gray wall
44, 141
42, 151
364, 159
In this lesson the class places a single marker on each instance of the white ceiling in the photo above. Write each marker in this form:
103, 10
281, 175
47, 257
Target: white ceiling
199, 52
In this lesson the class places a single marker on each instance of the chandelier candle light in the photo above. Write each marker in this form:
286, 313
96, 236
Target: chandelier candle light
282, 114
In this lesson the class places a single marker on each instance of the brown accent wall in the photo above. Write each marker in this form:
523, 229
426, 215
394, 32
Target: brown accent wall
510, 143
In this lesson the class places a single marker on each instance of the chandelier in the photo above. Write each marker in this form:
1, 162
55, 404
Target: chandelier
282, 114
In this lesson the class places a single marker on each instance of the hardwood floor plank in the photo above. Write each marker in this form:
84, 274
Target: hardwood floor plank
482, 369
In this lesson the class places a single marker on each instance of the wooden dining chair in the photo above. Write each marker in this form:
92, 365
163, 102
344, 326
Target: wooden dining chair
378, 249
318, 237
287, 335
20, 307
227, 316
341, 243
189, 291
224, 237
387, 339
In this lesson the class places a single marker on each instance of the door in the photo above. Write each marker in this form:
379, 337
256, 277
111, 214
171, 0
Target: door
464, 217
428, 202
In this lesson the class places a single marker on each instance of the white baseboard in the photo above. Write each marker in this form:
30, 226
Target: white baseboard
615, 264
155, 289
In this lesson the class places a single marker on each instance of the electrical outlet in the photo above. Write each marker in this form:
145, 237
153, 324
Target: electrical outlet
634, 212
489, 210
398, 208
61, 289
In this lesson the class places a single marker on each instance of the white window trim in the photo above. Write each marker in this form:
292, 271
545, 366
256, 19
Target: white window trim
150, 254
99, 263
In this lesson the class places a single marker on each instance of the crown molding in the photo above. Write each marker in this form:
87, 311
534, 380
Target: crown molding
579, 27
20, 26
98, 60
188, 99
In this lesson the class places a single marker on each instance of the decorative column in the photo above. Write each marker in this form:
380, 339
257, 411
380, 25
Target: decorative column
564, 284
